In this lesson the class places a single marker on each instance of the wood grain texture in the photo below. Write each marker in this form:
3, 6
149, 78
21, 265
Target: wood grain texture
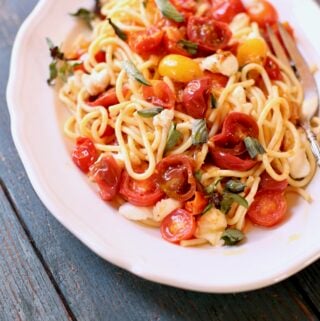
26, 291
96, 290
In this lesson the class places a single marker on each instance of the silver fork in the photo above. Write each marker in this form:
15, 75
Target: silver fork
310, 104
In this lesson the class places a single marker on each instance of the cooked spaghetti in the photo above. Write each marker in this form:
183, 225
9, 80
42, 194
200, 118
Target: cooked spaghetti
185, 119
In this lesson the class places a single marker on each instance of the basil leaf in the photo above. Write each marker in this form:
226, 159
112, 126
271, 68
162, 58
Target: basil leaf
55, 51
169, 10
213, 101
97, 8
199, 132
207, 209
53, 73
121, 34
235, 186
173, 137
232, 236
198, 175
213, 186
132, 71
85, 15
253, 147
229, 198
150, 112
189, 46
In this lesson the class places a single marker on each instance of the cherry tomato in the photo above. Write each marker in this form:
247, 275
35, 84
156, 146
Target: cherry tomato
252, 50
232, 162
175, 177
263, 12
185, 5
105, 99
272, 69
84, 153
177, 226
197, 205
226, 10
195, 97
159, 94
268, 183
217, 80
140, 193
268, 208
100, 56
209, 34
107, 174
171, 40
147, 41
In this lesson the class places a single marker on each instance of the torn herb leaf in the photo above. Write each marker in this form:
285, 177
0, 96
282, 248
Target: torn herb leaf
207, 209
133, 72
120, 33
189, 46
150, 112
198, 175
173, 137
213, 186
232, 236
235, 186
85, 15
199, 132
55, 51
229, 198
169, 10
253, 147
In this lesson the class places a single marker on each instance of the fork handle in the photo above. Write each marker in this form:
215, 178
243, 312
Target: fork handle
314, 143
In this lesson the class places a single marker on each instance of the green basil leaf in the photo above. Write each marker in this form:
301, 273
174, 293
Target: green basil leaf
207, 208
173, 137
198, 175
213, 101
232, 236
189, 46
253, 147
235, 186
121, 34
55, 51
53, 73
213, 186
132, 71
169, 10
150, 112
85, 15
199, 132
229, 198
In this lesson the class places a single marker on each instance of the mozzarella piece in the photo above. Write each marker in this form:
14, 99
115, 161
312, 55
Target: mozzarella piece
97, 82
211, 226
164, 119
239, 22
239, 95
222, 62
299, 164
135, 213
164, 208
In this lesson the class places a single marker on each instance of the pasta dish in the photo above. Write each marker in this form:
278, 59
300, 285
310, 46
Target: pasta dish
183, 117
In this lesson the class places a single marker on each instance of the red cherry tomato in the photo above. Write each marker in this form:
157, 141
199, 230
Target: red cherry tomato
107, 174
197, 205
177, 226
209, 34
105, 99
159, 94
232, 162
272, 69
84, 153
263, 12
175, 177
140, 193
226, 10
195, 97
171, 40
185, 5
217, 80
100, 56
268, 208
147, 41
268, 183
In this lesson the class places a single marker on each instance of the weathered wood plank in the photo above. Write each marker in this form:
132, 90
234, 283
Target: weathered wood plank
26, 292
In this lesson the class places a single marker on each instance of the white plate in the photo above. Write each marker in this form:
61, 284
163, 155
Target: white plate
267, 257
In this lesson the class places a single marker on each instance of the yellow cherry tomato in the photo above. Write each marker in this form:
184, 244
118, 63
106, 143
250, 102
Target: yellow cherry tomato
179, 68
252, 51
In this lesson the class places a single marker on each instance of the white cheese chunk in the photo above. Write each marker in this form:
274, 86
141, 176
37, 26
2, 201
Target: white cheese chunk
97, 82
164, 208
164, 119
299, 164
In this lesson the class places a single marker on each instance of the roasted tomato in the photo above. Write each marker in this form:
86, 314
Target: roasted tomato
84, 153
189, 6
195, 97
107, 174
177, 226
210, 35
262, 12
140, 193
268, 183
226, 10
171, 41
272, 69
100, 56
197, 205
147, 41
159, 94
105, 99
217, 80
228, 161
175, 177
268, 208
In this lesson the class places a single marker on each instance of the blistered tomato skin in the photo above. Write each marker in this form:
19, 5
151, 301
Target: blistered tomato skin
179, 68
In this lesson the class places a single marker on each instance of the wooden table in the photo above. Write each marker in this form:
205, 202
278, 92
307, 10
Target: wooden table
47, 274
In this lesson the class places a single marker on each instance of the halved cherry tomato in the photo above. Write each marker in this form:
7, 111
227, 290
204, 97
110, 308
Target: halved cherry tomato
105, 99
140, 193
195, 97
209, 34
107, 174
268, 183
177, 226
263, 12
175, 177
232, 162
197, 205
226, 10
272, 69
268, 208
84, 153
185, 5
159, 94
217, 80
147, 41
100, 56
